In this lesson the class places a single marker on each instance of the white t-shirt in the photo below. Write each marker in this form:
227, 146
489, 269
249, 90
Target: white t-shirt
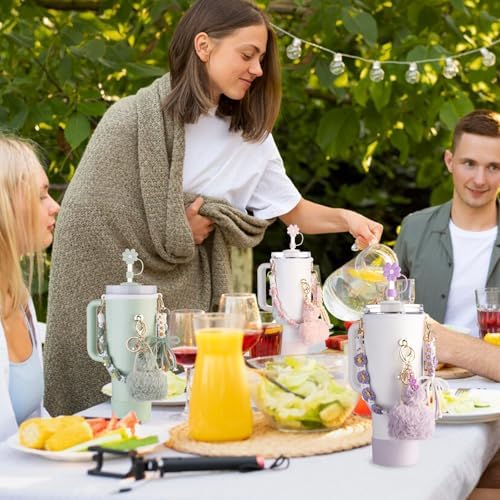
248, 175
471, 259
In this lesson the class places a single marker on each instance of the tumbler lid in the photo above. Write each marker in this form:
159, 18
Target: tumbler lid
130, 257
393, 307
292, 252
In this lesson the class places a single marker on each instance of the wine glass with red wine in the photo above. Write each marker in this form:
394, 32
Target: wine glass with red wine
183, 343
245, 304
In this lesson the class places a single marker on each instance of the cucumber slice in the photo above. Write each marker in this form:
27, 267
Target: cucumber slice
131, 443
481, 404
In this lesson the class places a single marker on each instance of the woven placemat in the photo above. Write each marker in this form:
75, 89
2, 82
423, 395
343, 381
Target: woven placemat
271, 443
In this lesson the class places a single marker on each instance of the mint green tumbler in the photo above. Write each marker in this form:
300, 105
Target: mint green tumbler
111, 328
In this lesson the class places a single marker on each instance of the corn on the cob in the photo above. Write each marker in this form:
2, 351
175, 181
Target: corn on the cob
69, 435
34, 432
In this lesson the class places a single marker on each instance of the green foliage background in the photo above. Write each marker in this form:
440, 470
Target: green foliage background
346, 141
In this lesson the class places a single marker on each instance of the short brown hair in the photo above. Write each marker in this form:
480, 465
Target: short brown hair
479, 122
255, 114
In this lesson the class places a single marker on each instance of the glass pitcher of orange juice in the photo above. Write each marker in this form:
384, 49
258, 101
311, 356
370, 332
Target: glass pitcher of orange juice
220, 398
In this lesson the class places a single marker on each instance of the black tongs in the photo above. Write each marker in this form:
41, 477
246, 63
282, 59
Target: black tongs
266, 375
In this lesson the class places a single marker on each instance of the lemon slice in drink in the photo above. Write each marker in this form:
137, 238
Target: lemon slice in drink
366, 275
492, 338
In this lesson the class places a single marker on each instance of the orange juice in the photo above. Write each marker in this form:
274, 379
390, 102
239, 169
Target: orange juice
220, 408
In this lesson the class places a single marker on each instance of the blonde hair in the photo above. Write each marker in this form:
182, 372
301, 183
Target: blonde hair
19, 222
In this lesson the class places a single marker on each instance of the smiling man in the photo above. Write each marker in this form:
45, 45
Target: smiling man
454, 248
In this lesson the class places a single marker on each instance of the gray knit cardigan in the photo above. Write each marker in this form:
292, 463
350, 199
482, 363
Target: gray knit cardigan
127, 193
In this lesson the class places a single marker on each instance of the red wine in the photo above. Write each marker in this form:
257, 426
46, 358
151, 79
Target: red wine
269, 343
185, 355
489, 321
250, 338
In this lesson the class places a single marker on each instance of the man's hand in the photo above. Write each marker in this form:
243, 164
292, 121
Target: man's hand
200, 226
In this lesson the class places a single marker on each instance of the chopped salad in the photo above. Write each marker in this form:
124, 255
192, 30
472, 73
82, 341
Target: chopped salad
327, 403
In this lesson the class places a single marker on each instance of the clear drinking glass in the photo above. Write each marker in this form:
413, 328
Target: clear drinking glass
183, 342
246, 305
488, 310
269, 343
405, 290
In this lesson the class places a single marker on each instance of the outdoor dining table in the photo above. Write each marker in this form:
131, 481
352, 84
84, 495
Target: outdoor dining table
450, 465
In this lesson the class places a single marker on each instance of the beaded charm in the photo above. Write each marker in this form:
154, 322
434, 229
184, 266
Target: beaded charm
361, 362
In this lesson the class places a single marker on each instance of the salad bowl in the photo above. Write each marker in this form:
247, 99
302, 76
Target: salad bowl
323, 398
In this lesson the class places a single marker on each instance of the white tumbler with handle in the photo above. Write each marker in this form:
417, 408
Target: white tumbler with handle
288, 272
385, 328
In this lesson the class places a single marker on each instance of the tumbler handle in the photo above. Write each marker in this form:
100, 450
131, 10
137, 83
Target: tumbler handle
262, 286
92, 329
352, 333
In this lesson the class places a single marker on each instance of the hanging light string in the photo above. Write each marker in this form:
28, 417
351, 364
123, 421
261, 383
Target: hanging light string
337, 67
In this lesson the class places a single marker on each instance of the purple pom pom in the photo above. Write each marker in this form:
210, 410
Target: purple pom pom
412, 397
412, 418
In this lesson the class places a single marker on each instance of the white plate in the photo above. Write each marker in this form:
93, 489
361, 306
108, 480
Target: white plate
66, 456
178, 400
479, 415
84, 456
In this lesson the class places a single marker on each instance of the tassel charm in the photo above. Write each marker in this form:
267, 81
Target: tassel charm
411, 418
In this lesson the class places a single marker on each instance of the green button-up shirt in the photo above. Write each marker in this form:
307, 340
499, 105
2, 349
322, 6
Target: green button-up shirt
425, 253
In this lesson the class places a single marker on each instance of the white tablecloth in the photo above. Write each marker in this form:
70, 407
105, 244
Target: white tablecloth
451, 464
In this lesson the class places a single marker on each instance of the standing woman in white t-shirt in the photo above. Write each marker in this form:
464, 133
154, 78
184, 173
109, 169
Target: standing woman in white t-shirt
226, 89
27, 218
181, 171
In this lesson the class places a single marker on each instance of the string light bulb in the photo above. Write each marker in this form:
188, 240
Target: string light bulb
412, 75
294, 50
450, 68
337, 66
376, 73
489, 58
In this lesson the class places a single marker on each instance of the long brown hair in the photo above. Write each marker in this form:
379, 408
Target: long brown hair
255, 114
479, 122
19, 221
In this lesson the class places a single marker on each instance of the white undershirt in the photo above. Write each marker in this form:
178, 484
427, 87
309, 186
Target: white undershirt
249, 175
471, 259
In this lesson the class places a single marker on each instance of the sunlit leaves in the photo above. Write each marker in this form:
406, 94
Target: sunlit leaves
142, 70
362, 23
92, 108
451, 111
92, 50
77, 130
338, 130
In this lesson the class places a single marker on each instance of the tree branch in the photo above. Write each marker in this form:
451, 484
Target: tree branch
282, 7
288, 7
319, 94
80, 5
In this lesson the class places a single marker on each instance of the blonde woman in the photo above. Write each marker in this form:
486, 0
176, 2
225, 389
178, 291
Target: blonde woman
27, 219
